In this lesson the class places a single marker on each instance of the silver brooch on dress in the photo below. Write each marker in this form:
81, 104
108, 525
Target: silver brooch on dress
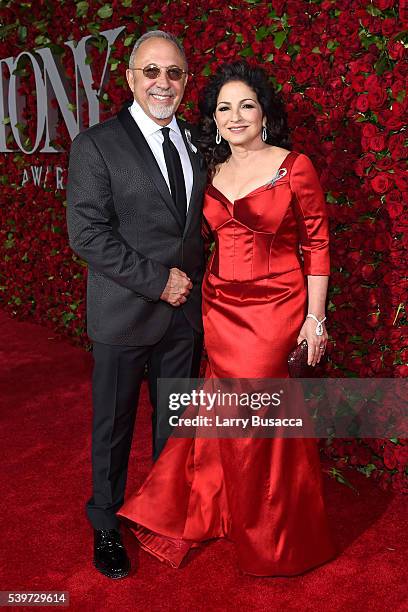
190, 144
280, 174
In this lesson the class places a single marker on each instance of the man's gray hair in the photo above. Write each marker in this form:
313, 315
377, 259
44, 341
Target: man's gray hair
157, 34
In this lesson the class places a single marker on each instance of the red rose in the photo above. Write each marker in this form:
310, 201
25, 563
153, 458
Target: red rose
396, 50
362, 103
377, 97
395, 206
388, 26
377, 143
397, 86
373, 320
381, 183
384, 4
397, 146
390, 460
386, 163
401, 181
369, 130
400, 483
401, 455
358, 83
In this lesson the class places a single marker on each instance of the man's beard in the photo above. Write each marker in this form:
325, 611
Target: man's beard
162, 110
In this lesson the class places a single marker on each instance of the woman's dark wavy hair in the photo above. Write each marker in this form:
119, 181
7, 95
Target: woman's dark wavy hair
271, 102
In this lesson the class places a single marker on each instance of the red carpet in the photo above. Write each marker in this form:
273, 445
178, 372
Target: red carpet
47, 542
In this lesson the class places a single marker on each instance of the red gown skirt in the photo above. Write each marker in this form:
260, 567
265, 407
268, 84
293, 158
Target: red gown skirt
264, 495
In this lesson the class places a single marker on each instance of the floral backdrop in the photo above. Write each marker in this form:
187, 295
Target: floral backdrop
341, 67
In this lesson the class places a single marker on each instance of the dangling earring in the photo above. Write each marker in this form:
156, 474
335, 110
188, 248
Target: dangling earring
218, 137
264, 133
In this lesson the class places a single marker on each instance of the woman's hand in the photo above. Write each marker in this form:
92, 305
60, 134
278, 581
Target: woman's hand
316, 344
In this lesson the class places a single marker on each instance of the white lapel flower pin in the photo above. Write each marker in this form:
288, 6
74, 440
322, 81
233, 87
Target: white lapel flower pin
190, 144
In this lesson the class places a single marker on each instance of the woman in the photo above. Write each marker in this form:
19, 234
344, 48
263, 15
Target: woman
264, 200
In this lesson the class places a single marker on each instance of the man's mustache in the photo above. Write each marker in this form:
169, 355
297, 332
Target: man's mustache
162, 92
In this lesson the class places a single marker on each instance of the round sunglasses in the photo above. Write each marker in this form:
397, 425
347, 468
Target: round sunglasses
152, 71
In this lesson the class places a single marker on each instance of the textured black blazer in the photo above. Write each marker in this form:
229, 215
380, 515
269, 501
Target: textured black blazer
123, 222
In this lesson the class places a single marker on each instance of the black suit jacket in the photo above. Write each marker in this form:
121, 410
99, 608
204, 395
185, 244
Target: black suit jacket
123, 222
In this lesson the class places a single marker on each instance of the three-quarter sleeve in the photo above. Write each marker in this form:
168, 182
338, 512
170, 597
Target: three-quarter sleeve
311, 216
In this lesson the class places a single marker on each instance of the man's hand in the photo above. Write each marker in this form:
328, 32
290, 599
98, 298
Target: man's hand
177, 288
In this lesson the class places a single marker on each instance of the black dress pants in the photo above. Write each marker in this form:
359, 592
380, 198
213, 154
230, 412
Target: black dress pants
117, 376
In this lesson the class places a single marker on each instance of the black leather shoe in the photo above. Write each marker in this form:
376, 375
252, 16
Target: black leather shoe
110, 557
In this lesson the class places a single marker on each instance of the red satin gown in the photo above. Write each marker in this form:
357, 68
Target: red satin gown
265, 495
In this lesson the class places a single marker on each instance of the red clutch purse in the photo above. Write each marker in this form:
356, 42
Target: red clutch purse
297, 362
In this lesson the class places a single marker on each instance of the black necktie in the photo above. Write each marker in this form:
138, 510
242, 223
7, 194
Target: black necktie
175, 172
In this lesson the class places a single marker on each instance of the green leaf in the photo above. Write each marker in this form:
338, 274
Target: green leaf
22, 33
401, 95
120, 81
41, 40
367, 469
82, 8
94, 28
247, 52
127, 3
337, 475
100, 43
206, 71
293, 49
284, 20
381, 65
155, 16
55, 49
331, 307
67, 317
332, 45
394, 440
262, 33
79, 261
373, 10
5, 29
105, 11
128, 40
9, 243
357, 339
368, 39
279, 38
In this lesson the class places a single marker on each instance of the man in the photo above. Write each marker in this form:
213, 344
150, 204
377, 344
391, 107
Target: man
135, 192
